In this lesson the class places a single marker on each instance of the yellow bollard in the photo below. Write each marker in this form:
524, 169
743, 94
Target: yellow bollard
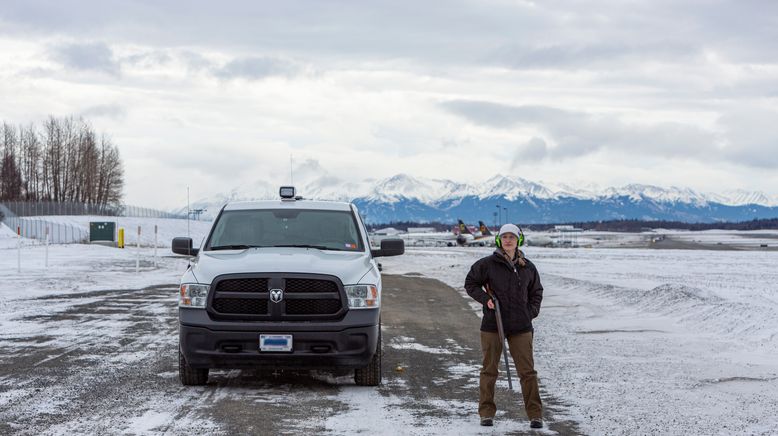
121, 237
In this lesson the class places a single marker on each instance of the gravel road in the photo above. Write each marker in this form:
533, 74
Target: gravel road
105, 362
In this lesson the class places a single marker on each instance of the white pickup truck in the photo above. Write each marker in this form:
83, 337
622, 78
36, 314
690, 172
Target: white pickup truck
289, 283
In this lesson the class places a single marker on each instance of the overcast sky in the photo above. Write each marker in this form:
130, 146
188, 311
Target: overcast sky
216, 95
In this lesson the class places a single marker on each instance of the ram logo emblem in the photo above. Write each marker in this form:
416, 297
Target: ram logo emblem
276, 295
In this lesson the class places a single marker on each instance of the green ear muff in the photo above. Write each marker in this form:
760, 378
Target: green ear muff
498, 242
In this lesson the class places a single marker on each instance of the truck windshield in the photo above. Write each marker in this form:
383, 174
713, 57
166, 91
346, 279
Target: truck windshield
319, 229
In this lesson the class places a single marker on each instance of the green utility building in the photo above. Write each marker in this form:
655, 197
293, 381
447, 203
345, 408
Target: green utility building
102, 231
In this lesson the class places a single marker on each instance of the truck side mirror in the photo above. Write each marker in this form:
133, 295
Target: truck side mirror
389, 247
184, 246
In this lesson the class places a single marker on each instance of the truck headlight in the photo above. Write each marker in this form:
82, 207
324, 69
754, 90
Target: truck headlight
193, 295
362, 296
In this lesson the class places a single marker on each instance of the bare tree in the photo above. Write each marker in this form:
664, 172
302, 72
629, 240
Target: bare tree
52, 159
10, 176
65, 161
111, 173
30, 162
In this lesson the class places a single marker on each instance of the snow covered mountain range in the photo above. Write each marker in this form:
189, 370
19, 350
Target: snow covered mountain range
407, 198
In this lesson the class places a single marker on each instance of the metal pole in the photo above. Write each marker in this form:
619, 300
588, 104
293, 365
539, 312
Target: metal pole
137, 257
46, 255
503, 342
501, 333
155, 245
187, 212
18, 249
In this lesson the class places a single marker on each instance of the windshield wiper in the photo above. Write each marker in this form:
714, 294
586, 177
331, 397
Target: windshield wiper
318, 247
232, 247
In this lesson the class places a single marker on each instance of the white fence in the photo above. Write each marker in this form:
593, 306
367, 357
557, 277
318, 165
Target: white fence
59, 233
42, 208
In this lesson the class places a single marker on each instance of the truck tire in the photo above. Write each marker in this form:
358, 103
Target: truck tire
191, 376
371, 374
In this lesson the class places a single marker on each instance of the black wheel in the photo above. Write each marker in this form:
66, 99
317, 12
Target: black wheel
371, 374
191, 376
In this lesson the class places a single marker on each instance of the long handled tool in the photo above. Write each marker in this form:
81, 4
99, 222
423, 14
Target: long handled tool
501, 333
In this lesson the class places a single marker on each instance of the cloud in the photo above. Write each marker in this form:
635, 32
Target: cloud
501, 115
195, 61
629, 88
255, 68
594, 55
746, 135
534, 150
113, 111
309, 170
209, 160
93, 56
149, 58
752, 136
577, 134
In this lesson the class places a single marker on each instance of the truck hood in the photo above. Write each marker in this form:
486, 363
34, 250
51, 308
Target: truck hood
350, 267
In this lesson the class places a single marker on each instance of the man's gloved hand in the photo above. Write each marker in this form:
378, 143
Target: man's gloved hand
490, 302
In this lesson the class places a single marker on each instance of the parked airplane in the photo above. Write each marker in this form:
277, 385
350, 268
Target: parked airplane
466, 237
432, 238
484, 229
540, 241
462, 236
529, 239
536, 240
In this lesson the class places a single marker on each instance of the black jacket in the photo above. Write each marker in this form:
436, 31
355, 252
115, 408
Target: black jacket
517, 288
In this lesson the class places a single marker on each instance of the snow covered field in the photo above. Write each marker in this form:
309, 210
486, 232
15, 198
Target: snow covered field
649, 341
167, 228
732, 239
633, 341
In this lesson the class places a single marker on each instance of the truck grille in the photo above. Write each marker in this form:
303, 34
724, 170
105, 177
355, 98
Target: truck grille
240, 305
311, 307
310, 285
242, 285
304, 298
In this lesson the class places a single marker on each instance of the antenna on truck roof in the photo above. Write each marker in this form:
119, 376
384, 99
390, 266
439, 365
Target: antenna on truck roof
291, 170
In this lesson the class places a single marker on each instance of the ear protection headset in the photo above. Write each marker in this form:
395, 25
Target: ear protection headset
498, 241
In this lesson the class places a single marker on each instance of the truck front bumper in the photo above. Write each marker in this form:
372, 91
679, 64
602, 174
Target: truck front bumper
348, 343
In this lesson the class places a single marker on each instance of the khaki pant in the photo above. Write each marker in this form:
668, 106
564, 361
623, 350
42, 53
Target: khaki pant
520, 346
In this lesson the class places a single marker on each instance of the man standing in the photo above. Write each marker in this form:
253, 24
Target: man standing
514, 281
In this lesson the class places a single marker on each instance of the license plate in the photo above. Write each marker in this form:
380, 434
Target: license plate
275, 343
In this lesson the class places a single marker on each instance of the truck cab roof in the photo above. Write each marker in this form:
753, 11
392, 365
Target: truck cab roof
290, 204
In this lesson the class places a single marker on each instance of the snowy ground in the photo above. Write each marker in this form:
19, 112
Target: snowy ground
713, 239
649, 341
633, 341
166, 229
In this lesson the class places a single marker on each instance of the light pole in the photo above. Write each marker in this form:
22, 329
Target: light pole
499, 218
506, 214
